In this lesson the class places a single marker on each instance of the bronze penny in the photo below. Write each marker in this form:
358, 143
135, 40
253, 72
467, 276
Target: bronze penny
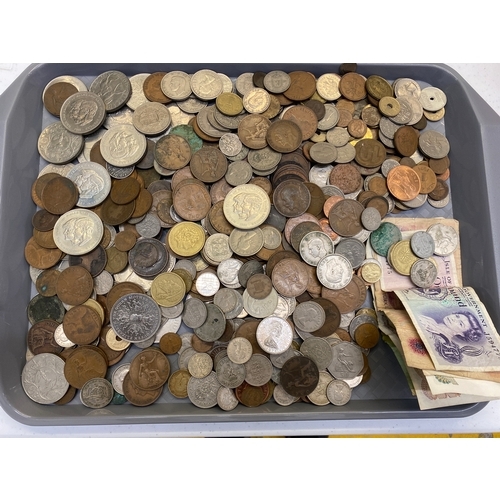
218, 219
125, 241
120, 290
83, 364
143, 203
305, 118
295, 221
96, 156
113, 214
124, 191
346, 177
290, 277
75, 285
332, 317
43, 220
44, 238
378, 185
259, 286
349, 298
291, 198
317, 199
139, 397
317, 107
94, 262
68, 397
352, 86
56, 94
59, 195
284, 136
82, 325
439, 166
380, 203
370, 153
299, 376
345, 117
314, 285
252, 396
428, 180
406, 140
252, 131
116, 260
201, 346
40, 257
403, 183
444, 176
367, 335
345, 217
192, 200
38, 186
346, 104
357, 128
172, 152
209, 164
152, 88
440, 192
41, 337
46, 282
149, 370
302, 86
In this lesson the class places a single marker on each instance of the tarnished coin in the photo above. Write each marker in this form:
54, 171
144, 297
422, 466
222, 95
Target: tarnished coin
85, 363
284, 136
299, 376
58, 145
78, 231
384, 237
291, 198
43, 378
202, 392
96, 393
123, 146
252, 131
151, 118
114, 88
239, 350
345, 217
290, 277
83, 113
445, 239
247, 206
434, 144
54, 96
370, 153
59, 195
422, 244
206, 84
274, 335
135, 317
338, 392
213, 327
423, 273
195, 313
139, 397
347, 361
177, 383
226, 399
309, 316
149, 370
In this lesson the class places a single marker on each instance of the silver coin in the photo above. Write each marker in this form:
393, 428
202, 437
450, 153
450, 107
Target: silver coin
176, 85
259, 370
319, 350
423, 273
202, 392
334, 272
309, 316
353, 250
330, 119
151, 118
58, 145
278, 360
314, 246
149, 227
404, 87
274, 335
346, 153
137, 96
192, 105
277, 81
114, 88
239, 350
96, 393
83, 113
422, 244
405, 114
172, 312
206, 84
119, 172
370, 218
226, 399
318, 397
260, 308
323, 153
417, 202
60, 337
187, 265
230, 144
207, 284
433, 99
195, 313
282, 397
347, 361
123, 146
135, 317
214, 326
338, 392
124, 116
388, 127
433, 144
359, 320
445, 239
440, 203
263, 159
118, 376
43, 378
244, 83
200, 365
93, 182
229, 373
320, 174
338, 136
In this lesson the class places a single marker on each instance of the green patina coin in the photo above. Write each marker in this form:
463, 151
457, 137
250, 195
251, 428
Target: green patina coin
384, 237
41, 308
187, 132
118, 399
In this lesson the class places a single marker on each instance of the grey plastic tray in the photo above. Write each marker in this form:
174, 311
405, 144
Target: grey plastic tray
473, 130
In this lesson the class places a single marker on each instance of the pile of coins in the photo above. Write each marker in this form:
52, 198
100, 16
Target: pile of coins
238, 208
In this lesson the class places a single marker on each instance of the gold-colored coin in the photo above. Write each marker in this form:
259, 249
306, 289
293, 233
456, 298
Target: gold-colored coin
178, 382
168, 289
257, 101
371, 272
402, 257
229, 104
247, 206
114, 342
186, 239
93, 304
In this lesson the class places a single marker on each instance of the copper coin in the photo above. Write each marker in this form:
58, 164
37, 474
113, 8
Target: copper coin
172, 152
38, 186
192, 200
44, 238
248, 330
332, 317
367, 335
143, 203
119, 290
116, 260
113, 214
75, 285
378, 185
370, 153
149, 370
68, 397
345, 217
252, 396
259, 286
94, 262
56, 94
352, 86
124, 191
403, 183
428, 180
284, 136
347, 299
139, 397
439, 166
295, 221
357, 128
380, 203
59, 195
39, 257
43, 220
152, 88
218, 219
305, 118
302, 86
299, 231
291, 198
125, 241
317, 199
440, 192
96, 156
346, 177
82, 325
83, 364
299, 376
201, 346
252, 131
41, 337
406, 140
290, 277
46, 282
209, 164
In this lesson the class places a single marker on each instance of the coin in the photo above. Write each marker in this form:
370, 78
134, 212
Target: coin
338, 392
114, 88
41, 337
186, 239
168, 289
123, 146
274, 335
58, 145
96, 393
299, 376
403, 183
149, 370
247, 206
137, 396
202, 392
151, 118
83, 113
445, 239
334, 272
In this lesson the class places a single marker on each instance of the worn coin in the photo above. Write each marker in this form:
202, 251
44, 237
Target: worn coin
96, 393
202, 392
445, 239
58, 145
123, 146
338, 392
83, 113
151, 118
114, 88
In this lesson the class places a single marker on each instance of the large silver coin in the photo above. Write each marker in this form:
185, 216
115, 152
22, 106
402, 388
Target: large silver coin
43, 378
135, 317
123, 146
78, 231
114, 88
274, 335
83, 113
347, 361
58, 145
445, 239
93, 182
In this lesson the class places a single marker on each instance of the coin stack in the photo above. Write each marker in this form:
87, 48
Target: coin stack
235, 209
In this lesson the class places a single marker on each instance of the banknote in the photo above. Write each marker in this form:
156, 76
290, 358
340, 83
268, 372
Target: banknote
449, 268
442, 383
454, 327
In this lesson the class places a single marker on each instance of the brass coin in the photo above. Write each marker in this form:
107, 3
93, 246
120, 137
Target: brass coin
229, 103
378, 87
116, 260
75, 285
251, 396
59, 195
55, 95
168, 289
389, 106
82, 325
247, 206
284, 136
83, 364
186, 239
178, 382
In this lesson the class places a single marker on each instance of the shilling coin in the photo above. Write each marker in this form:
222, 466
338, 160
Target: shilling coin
123, 146
334, 272
137, 96
338, 392
423, 273
229, 373
93, 182
206, 84
239, 350
314, 246
422, 244
96, 393
83, 113
274, 335
176, 85
151, 118
309, 316
226, 399
202, 392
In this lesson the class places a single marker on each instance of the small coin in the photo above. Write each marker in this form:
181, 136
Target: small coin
96, 393
338, 392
